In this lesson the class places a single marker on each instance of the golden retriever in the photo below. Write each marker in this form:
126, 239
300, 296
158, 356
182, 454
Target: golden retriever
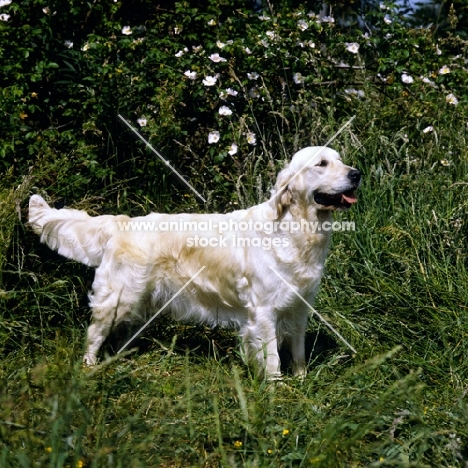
249, 269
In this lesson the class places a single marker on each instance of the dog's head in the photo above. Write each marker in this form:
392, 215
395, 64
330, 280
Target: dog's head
316, 175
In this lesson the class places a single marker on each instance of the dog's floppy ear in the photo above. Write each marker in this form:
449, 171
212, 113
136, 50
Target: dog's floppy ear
282, 194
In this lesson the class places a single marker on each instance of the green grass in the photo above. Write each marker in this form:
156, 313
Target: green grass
396, 288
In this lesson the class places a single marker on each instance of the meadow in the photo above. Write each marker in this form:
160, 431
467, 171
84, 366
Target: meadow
228, 95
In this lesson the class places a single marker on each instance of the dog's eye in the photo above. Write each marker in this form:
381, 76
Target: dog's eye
323, 163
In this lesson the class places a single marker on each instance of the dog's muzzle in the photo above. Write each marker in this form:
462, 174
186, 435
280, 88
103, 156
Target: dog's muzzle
341, 200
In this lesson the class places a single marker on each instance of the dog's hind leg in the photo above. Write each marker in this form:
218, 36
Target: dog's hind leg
98, 331
104, 321
110, 306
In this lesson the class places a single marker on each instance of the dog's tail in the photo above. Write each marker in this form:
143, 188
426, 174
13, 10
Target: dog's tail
72, 233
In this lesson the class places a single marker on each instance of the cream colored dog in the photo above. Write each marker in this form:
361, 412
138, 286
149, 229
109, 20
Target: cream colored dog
247, 269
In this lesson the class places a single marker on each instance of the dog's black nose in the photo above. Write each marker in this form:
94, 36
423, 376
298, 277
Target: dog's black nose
354, 175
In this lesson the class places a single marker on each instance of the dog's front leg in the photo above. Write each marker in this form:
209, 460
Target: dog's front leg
260, 343
297, 344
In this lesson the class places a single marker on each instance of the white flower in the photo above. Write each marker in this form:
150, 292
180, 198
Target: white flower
302, 25
220, 44
4, 3
428, 129
191, 74
451, 99
444, 70
387, 20
298, 78
212, 22
264, 18
407, 78
271, 34
127, 30
445, 162
253, 76
209, 80
216, 58
213, 137
181, 52
383, 6
425, 79
227, 92
254, 93
359, 93
142, 122
438, 51
85, 47
352, 47
46, 10
68, 44
251, 138
177, 29
197, 49
327, 19
342, 65
4, 17
224, 110
247, 51
232, 149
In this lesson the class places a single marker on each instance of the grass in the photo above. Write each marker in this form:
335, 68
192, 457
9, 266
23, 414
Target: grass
395, 288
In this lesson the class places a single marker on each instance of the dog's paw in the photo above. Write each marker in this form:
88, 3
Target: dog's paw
300, 373
89, 361
276, 377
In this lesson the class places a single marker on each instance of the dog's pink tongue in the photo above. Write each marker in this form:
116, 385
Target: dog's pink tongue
350, 198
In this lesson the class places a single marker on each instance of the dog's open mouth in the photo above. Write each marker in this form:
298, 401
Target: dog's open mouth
337, 200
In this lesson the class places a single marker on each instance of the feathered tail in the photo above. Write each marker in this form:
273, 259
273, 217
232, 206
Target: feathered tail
72, 233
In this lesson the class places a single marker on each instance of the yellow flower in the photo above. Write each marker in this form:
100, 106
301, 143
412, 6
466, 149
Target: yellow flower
23, 115
79, 464
381, 459
238, 444
48, 449
269, 451
285, 432
34, 95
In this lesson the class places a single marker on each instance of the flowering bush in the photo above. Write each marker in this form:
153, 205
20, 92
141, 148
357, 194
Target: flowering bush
223, 92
